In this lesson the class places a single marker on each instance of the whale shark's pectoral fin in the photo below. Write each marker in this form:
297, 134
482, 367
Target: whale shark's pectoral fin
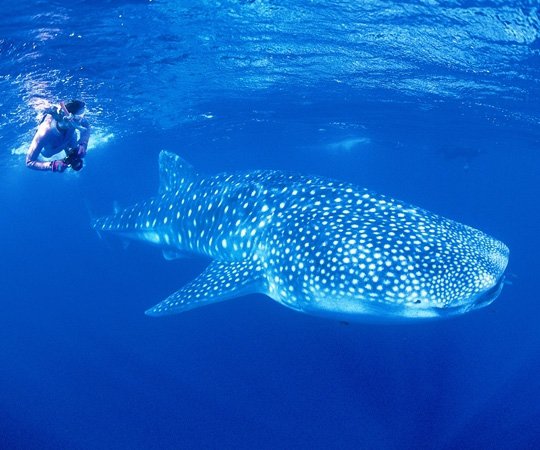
220, 281
174, 172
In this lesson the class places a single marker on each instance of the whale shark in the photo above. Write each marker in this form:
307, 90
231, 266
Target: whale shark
314, 244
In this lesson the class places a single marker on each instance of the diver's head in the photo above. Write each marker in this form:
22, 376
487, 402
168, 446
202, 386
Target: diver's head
75, 107
73, 113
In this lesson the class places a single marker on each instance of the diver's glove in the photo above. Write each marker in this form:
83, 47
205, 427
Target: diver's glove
58, 166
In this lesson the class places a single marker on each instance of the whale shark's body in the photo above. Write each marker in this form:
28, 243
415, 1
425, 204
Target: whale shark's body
313, 244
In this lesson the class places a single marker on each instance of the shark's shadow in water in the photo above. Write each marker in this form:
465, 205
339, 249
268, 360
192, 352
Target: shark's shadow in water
313, 244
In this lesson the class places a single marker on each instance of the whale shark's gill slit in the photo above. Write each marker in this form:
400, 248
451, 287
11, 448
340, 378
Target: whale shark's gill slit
220, 281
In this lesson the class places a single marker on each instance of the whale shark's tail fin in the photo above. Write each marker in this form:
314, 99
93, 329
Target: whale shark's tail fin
138, 221
174, 172
220, 281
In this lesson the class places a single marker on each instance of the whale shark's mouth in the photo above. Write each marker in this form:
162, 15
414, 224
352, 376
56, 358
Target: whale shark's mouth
487, 297
478, 301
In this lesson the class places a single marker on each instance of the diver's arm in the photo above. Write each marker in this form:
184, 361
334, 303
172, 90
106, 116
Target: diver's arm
84, 129
33, 153
84, 136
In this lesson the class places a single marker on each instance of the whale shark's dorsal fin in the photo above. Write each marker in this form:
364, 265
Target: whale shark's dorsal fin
174, 172
220, 281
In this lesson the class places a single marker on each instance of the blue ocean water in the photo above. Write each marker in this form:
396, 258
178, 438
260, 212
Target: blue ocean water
432, 102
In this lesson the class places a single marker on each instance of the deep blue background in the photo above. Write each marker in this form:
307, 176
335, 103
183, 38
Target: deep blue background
439, 110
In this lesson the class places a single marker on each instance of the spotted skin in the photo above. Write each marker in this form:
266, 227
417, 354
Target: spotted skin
313, 244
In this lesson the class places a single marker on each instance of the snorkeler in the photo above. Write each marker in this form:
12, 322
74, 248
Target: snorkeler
63, 127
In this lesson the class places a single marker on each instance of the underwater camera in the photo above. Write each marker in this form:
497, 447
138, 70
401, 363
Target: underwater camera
73, 159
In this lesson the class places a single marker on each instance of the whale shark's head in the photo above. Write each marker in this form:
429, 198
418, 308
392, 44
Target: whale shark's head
469, 277
471, 282
487, 277
409, 264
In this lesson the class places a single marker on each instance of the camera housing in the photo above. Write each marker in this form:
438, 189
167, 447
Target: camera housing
73, 159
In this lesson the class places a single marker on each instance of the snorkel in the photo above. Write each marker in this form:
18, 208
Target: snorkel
67, 114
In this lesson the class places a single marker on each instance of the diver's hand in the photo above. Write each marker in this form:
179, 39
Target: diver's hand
82, 150
58, 166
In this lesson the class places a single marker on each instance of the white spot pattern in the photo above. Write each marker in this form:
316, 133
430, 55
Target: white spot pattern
322, 246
